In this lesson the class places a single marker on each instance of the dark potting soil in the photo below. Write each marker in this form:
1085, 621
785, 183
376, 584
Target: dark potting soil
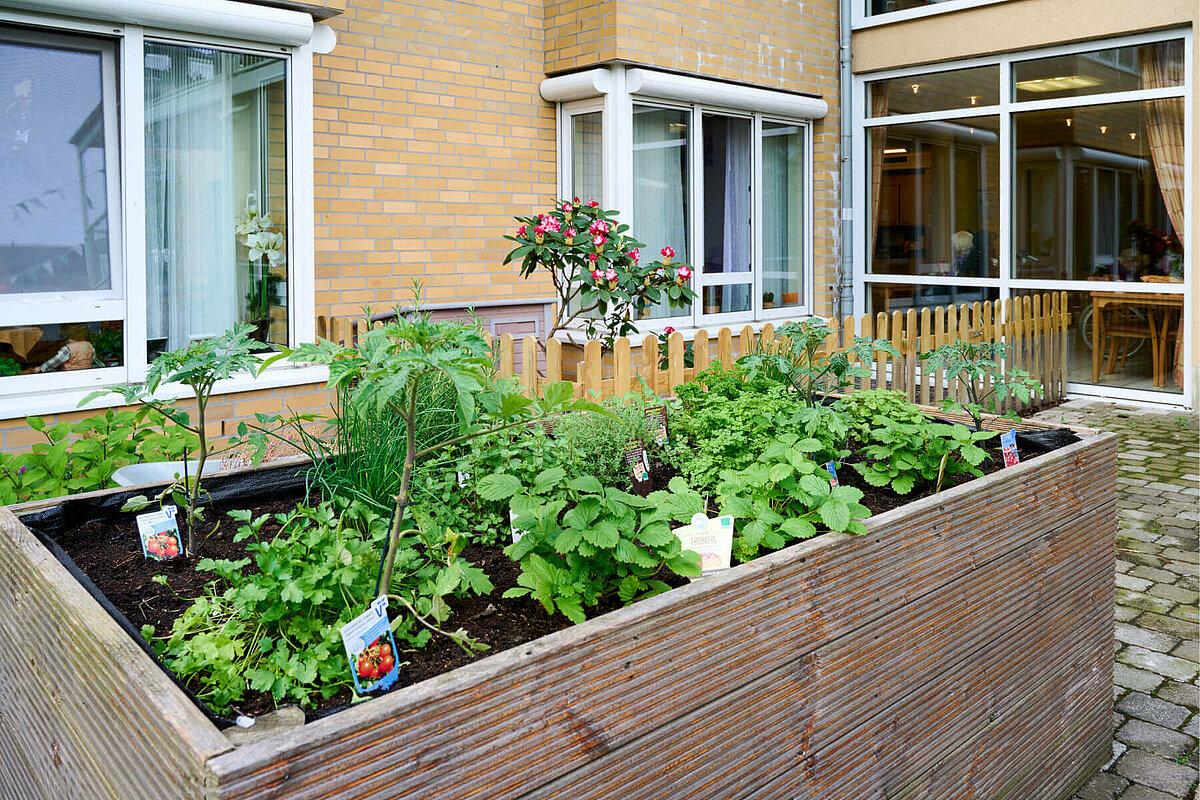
110, 554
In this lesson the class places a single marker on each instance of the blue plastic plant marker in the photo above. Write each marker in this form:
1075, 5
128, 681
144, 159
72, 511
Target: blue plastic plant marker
371, 648
1008, 442
831, 468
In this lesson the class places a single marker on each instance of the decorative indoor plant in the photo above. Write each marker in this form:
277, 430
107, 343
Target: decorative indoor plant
266, 252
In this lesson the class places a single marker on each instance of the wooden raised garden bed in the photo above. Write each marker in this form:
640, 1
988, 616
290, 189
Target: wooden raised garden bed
961, 649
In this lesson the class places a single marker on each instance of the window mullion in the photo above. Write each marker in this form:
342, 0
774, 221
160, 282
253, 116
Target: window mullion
1008, 176
756, 245
133, 147
696, 212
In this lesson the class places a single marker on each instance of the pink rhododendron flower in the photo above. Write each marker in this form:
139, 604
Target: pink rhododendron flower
552, 224
575, 200
611, 274
521, 231
667, 253
592, 258
598, 226
566, 207
668, 330
593, 204
682, 274
599, 240
570, 234
635, 254
597, 275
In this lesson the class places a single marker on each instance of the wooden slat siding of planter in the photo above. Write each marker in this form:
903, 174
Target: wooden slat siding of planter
85, 713
840, 707
549, 708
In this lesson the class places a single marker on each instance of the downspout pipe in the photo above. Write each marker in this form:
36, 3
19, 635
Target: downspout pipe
843, 290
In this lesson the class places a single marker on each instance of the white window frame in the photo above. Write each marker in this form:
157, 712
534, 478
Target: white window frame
617, 135
59, 392
1006, 283
859, 18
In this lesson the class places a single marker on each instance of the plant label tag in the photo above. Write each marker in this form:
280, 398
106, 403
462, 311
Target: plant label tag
1008, 443
159, 532
831, 468
463, 479
658, 418
517, 533
711, 538
371, 648
639, 468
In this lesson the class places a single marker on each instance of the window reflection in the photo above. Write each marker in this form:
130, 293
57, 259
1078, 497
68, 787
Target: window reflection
889, 297
1099, 192
1116, 69
935, 198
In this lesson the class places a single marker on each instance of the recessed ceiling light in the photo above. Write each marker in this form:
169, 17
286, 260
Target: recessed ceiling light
894, 150
916, 87
1058, 84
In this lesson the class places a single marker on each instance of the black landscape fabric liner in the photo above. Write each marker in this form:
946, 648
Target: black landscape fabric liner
48, 525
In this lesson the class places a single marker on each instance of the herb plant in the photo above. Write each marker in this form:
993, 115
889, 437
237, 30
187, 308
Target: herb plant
198, 366
82, 456
988, 384
904, 455
270, 623
784, 496
592, 445
865, 410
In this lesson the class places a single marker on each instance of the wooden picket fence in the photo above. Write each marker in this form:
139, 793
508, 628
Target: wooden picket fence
1034, 326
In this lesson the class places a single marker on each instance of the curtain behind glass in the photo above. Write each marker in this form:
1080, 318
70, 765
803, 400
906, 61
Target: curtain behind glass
782, 214
660, 211
1161, 66
587, 173
214, 147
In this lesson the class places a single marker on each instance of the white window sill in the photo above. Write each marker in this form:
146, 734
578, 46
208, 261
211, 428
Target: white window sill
576, 335
42, 403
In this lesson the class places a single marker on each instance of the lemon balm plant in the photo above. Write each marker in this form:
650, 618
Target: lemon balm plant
597, 269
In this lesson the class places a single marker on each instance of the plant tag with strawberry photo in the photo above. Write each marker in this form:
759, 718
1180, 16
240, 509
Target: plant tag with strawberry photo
159, 532
1008, 442
711, 538
658, 418
371, 648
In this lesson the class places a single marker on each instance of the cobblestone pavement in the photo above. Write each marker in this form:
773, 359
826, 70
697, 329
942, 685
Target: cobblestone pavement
1156, 725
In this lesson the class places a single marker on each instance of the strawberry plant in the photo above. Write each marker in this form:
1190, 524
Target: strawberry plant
785, 496
583, 542
904, 455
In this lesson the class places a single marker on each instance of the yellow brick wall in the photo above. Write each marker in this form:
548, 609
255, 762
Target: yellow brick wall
430, 135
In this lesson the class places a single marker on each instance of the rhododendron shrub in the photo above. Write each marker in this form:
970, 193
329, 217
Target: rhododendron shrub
596, 265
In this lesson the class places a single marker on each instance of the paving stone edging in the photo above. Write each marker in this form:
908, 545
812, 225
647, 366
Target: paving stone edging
1156, 724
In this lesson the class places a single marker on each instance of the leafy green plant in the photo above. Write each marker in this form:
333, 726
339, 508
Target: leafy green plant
596, 269
592, 445
9, 366
583, 542
800, 357
664, 353
979, 366
785, 495
109, 344
726, 434
270, 622
868, 409
386, 372
82, 456
904, 455
718, 382
198, 366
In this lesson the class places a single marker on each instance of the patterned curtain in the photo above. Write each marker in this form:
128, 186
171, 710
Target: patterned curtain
1162, 65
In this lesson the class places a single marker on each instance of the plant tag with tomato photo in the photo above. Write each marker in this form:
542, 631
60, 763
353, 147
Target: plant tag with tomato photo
1008, 442
159, 532
371, 648
657, 416
711, 538
831, 468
